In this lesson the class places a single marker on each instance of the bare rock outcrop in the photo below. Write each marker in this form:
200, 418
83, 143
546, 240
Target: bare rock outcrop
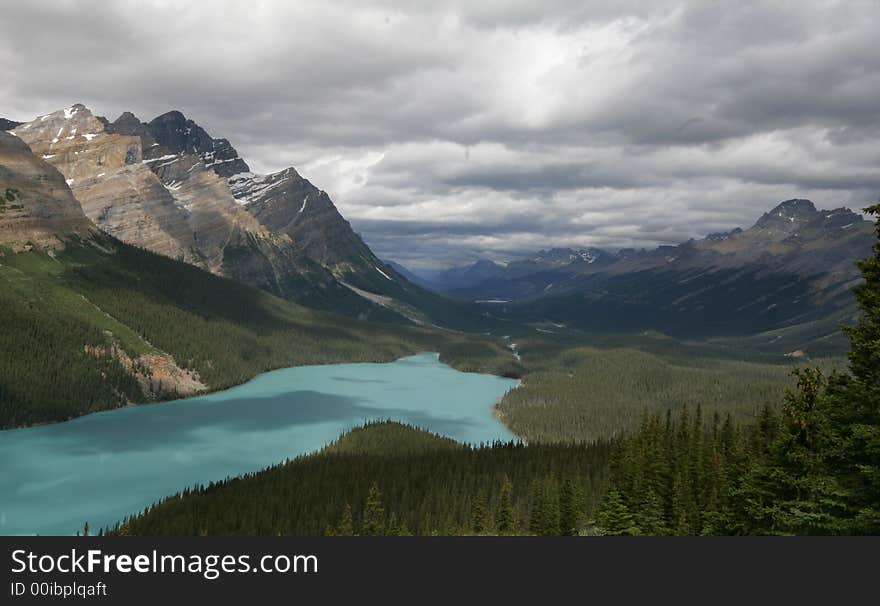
37, 208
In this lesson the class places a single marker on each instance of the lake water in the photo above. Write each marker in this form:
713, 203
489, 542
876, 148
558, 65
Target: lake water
101, 467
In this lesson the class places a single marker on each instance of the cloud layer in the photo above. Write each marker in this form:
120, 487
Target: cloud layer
450, 130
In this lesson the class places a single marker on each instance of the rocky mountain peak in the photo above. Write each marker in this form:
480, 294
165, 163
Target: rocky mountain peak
37, 207
723, 235
179, 135
8, 124
65, 126
128, 124
791, 211
564, 256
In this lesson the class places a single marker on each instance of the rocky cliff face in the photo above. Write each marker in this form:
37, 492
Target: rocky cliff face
286, 203
37, 209
163, 186
179, 135
107, 174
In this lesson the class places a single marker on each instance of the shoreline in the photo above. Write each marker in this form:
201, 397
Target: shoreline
411, 371
499, 416
199, 394
245, 382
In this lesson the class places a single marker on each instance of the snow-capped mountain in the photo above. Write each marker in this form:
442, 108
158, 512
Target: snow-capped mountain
169, 186
795, 264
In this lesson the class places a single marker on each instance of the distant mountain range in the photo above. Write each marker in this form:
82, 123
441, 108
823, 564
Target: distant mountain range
168, 186
795, 264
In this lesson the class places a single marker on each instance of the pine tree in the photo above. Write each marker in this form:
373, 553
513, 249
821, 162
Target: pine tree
790, 490
346, 522
479, 514
682, 504
650, 517
373, 522
551, 509
615, 518
855, 402
537, 514
504, 516
404, 530
393, 529
570, 506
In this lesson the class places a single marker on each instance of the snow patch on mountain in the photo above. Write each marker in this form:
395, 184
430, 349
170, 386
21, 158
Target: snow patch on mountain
249, 187
387, 277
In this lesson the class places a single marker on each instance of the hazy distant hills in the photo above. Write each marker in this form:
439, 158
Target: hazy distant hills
795, 264
168, 186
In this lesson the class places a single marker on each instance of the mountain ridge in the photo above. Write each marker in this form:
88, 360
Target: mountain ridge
37, 209
795, 264
171, 187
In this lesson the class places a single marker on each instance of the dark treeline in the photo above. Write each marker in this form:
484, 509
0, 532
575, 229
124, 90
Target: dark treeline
390, 479
812, 468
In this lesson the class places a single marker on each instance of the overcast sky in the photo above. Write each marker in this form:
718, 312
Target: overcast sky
447, 131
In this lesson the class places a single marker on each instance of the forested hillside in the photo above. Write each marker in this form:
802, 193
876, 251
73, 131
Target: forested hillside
101, 324
391, 479
809, 466
582, 393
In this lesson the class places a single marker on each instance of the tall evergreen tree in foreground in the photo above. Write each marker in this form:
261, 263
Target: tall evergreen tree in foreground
811, 468
374, 513
504, 520
856, 400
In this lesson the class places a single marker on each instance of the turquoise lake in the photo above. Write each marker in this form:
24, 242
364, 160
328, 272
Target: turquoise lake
102, 467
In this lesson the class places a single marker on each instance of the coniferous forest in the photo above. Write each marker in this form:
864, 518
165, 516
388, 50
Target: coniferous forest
813, 467
806, 464
99, 299
387, 478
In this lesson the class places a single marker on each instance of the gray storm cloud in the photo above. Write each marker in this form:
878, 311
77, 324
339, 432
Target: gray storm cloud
450, 130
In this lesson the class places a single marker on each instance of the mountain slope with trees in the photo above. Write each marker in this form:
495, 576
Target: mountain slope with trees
168, 186
390, 479
92, 323
811, 466
794, 266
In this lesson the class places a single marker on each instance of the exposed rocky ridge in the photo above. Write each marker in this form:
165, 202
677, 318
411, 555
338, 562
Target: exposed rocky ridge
116, 189
36, 206
156, 373
793, 238
6, 124
795, 264
162, 185
289, 204
180, 135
